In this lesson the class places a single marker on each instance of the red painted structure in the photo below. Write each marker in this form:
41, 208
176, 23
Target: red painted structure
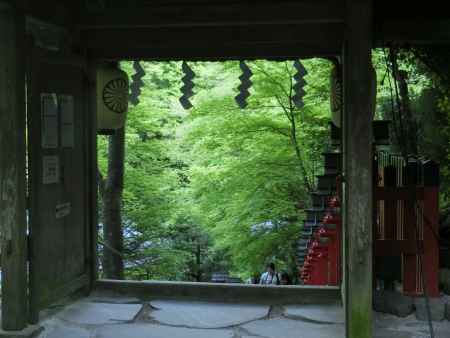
406, 216
406, 196
322, 265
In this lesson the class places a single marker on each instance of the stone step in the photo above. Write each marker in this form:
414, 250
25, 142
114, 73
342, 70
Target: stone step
303, 242
308, 224
315, 215
332, 161
327, 182
302, 249
319, 201
307, 232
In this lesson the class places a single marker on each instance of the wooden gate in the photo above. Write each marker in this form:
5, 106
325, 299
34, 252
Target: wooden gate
59, 178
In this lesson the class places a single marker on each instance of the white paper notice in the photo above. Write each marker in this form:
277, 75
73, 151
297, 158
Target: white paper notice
66, 105
49, 114
63, 210
50, 169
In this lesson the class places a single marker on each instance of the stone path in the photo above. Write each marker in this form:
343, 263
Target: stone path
203, 315
288, 328
331, 314
409, 327
88, 313
115, 317
157, 331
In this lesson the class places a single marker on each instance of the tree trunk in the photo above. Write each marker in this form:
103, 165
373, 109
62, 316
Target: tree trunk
198, 262
112, 202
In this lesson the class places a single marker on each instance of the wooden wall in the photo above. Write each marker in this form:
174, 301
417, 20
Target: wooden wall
60, 249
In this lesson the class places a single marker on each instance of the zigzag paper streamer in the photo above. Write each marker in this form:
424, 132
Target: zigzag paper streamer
137, 83
188, 86
300, 83
245, 85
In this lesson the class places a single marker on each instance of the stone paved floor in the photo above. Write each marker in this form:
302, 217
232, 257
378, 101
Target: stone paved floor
115, 317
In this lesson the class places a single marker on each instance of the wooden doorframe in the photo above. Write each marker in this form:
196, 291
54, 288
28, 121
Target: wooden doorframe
91, 94
13, 220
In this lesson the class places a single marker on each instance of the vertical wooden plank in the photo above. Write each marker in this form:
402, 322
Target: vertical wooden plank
358, 161
12, 169
410, 261
33, 123
411, 283
430, 258
390, 207
93, 175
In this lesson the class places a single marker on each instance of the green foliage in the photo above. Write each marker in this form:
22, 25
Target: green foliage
219, 188
244, 167
430, 104
202, 187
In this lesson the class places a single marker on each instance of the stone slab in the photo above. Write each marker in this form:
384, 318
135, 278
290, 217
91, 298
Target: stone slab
62, 331
86, 313
387, 333
114, 300
288, 328
157, 331
30, 331
218, 292
206, 315
437, 309
390, 326
325, 314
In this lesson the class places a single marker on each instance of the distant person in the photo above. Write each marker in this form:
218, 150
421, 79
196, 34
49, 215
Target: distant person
270, 277
285, 278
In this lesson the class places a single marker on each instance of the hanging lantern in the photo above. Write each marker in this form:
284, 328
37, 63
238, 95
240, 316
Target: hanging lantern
246, 83
112, 99
299, 85
188, 86
336, 95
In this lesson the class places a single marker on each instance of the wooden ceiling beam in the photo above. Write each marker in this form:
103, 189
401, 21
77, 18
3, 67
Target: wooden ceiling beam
215, 53
413, 32
217, 42
331, 34
245, 14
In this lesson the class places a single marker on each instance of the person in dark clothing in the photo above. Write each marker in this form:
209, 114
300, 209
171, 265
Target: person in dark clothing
285, 278
270, 277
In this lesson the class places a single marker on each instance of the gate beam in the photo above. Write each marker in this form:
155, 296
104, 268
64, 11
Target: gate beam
357, 151
13, 222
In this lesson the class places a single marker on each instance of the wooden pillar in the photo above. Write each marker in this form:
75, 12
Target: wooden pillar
93, 173
12, 169
358, 161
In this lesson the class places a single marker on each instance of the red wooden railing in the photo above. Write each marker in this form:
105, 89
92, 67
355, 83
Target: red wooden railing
406, 197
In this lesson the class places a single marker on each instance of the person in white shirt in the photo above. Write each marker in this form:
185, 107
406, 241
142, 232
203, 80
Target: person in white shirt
270, 277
